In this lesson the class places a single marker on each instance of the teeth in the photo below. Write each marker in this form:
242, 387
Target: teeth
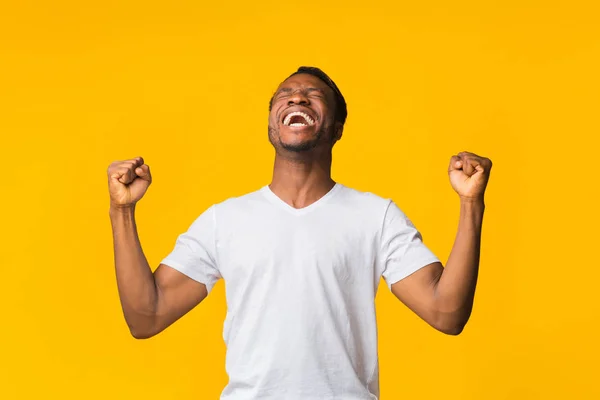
308, 119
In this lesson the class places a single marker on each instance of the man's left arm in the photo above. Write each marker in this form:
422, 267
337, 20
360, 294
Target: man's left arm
443, 297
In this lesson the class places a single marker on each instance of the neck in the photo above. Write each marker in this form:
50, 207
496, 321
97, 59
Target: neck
301, 181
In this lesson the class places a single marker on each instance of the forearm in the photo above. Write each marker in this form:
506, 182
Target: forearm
135, 280
455, 289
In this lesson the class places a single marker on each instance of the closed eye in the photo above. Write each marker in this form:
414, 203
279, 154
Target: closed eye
315, 92
283, 92
312, 92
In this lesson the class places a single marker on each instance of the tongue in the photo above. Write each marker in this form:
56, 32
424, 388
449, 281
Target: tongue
298, 119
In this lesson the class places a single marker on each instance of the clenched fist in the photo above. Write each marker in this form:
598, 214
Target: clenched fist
128, 181
469, 174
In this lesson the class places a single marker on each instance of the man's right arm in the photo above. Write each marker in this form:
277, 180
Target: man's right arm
150, 301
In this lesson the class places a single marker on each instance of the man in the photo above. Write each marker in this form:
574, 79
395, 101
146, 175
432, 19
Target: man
301, 259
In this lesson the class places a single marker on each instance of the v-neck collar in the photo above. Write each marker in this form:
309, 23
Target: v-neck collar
266, 190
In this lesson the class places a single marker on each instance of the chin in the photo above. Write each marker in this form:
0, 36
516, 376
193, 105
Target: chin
299, 145
296, 139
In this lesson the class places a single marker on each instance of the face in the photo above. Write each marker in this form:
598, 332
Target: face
303, 115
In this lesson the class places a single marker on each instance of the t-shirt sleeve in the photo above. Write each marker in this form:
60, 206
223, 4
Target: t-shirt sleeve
195, 251
402, 250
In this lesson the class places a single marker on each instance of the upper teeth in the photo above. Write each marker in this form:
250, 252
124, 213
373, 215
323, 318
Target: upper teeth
308, 119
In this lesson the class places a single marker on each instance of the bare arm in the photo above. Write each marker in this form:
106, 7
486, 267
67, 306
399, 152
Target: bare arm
150, 301
443, 297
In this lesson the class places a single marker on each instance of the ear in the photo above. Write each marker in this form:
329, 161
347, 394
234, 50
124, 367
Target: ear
339, 129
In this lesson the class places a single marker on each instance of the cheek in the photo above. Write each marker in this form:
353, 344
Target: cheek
273, 115
326, 114
328, 120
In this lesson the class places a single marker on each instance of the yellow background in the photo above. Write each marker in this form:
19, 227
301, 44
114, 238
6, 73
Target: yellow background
186, 85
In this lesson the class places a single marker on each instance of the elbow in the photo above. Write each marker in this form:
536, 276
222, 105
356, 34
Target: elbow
451, 324
452, 330
141, 329
141, 334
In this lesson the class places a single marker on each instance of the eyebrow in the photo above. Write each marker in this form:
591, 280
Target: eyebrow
310, 89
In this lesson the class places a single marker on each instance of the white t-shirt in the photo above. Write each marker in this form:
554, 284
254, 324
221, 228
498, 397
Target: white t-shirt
300, 288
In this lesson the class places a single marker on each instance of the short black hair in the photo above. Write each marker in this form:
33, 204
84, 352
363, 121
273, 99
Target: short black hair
341, 111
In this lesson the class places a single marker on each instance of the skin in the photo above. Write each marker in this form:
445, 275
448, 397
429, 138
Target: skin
441, 296
301, 176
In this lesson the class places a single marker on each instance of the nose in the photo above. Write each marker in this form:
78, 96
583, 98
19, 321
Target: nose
298, 97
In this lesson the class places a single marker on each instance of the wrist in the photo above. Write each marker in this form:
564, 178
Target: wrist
477, 200
474, 207
121, 209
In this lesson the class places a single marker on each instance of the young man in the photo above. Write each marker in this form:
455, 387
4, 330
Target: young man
301, 259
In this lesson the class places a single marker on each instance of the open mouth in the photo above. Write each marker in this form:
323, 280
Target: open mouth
298, 118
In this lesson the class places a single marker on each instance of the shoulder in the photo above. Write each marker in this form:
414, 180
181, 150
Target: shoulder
384, 210
234, 207
362, 199
241, 200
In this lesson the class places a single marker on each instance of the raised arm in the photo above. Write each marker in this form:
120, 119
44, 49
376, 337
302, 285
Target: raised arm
443, 297
150, 301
